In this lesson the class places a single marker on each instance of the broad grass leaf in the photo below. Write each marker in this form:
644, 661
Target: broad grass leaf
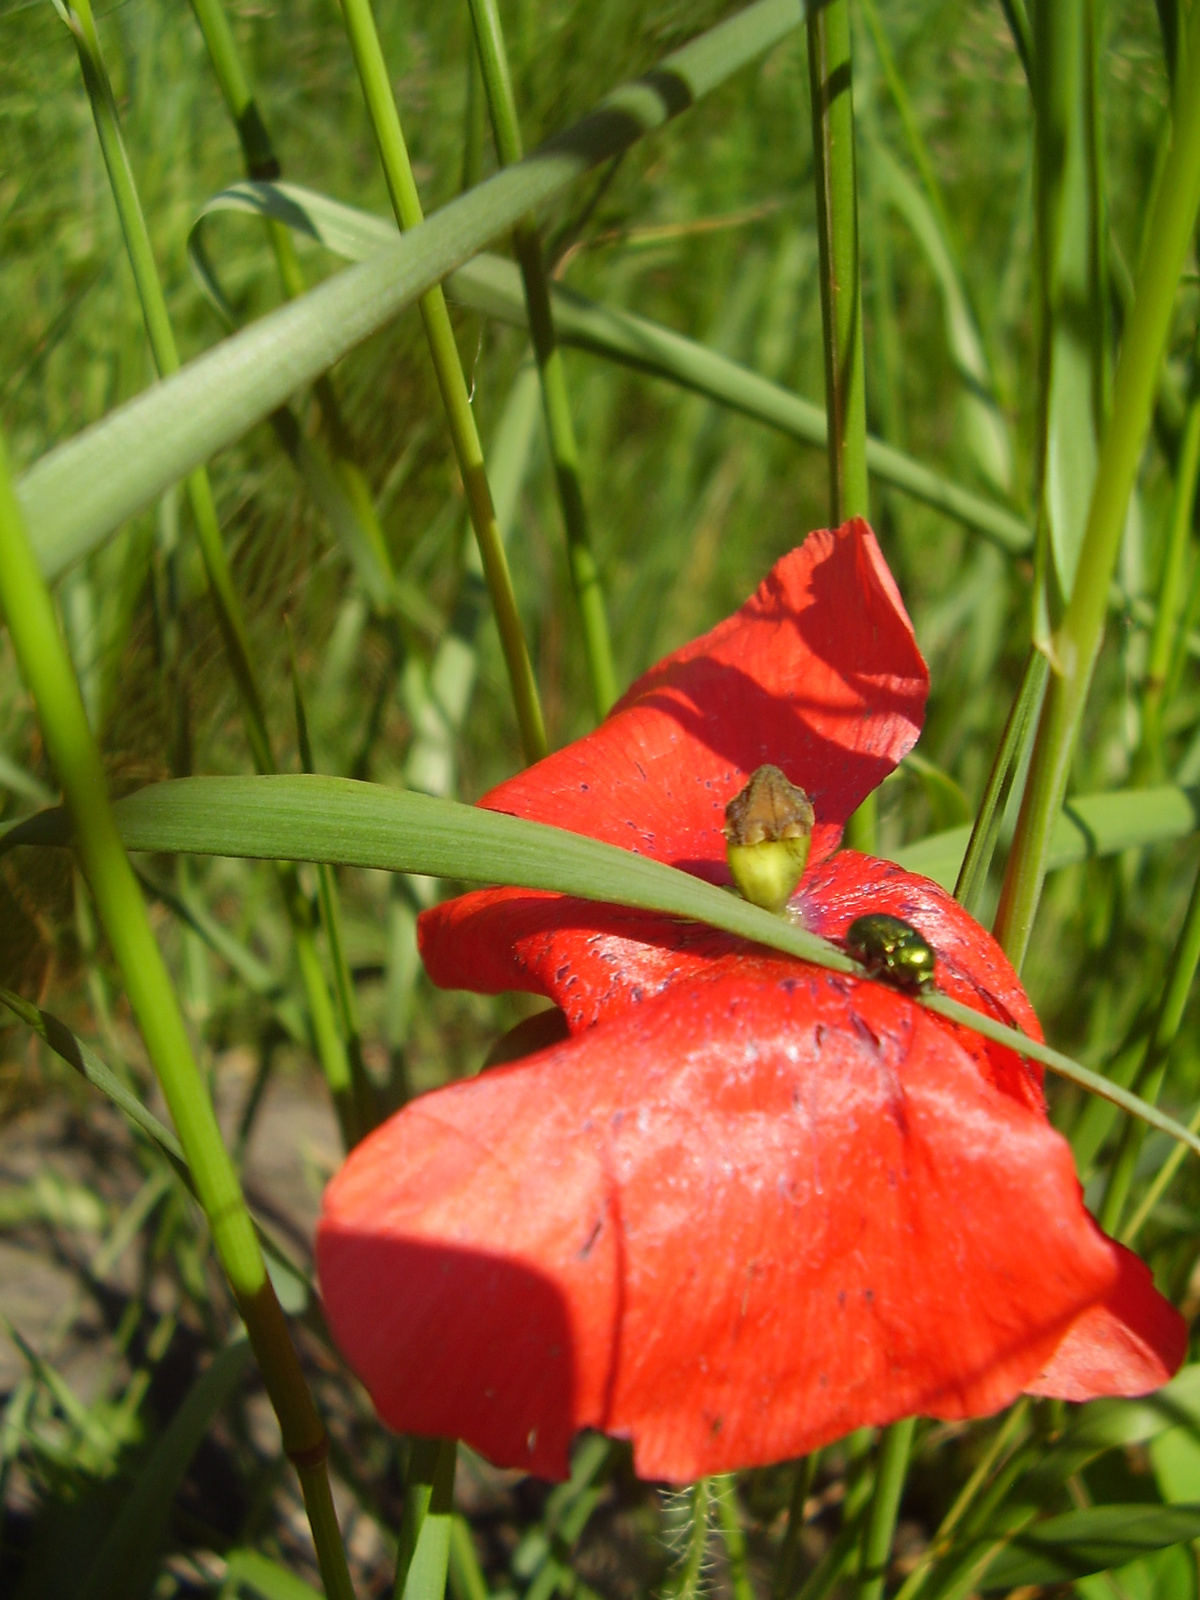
1095, 1539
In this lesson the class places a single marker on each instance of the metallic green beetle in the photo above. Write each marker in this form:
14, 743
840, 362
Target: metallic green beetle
891, 950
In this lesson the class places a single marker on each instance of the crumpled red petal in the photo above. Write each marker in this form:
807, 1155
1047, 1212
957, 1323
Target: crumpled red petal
732, 1223
818, 672
1129, 1344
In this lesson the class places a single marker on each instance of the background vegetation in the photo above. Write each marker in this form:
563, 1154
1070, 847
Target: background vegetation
707, 227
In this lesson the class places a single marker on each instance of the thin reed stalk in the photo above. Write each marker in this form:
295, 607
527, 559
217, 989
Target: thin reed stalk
556, 400
406, 203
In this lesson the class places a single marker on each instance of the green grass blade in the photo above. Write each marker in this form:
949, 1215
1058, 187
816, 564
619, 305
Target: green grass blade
1093, 1539
1077, 639
134, 1539
492, 286
424, 1553
246, 1572
89, 1065
78, 493
384, 115
984, 426
560, 428
361, 824
1090, 825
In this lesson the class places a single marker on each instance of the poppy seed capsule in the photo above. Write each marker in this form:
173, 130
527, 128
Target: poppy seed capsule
891, 950
768, 830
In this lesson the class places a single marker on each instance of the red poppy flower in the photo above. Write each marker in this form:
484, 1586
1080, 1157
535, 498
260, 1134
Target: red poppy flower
749, 1204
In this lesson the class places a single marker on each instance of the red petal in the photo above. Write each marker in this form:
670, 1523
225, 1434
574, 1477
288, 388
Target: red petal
971, 967
731, 1224
1128, 1345
818, 673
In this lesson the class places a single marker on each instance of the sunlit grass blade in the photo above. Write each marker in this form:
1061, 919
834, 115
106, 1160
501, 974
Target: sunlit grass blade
1090, 825
1093, 1539
78, 493
984, 427
1161, 671
424, 1554
1006, 764
1072, 286
249, 1573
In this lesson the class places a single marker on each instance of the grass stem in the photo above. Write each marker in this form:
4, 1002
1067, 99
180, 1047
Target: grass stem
46, 668
406, 204
830, 85
894, 1448
1075, 643
560, 429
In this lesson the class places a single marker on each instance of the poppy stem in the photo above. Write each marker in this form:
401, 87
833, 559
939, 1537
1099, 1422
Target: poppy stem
830, 83
733, 1534
894, 1448
687, 1583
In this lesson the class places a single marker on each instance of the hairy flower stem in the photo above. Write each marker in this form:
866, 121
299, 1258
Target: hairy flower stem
330, 1048
1075, 642
406, 204
686, 1585
45, 666
829, 72
564, 450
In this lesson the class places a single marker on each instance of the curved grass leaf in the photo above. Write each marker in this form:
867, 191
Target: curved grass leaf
492, 286
985, 427
292, 1283
1091, 1540
127, 1559
246, 1572
349, 823
1090, 825
78, 493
